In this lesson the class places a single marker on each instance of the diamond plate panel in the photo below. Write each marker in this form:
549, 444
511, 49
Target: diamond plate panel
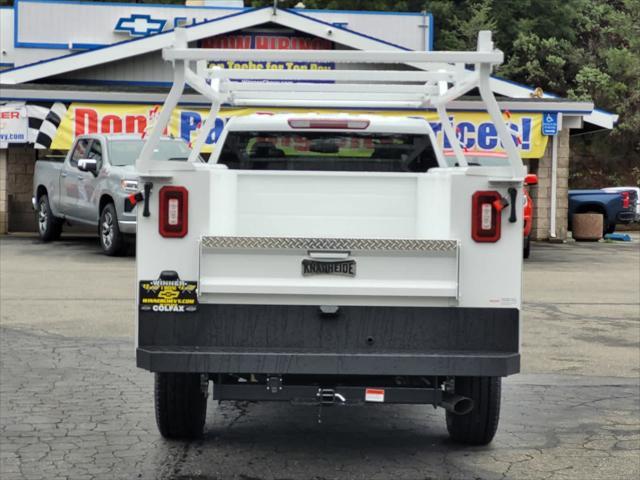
350, 244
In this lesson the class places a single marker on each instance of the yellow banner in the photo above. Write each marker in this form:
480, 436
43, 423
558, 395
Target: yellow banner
475, 131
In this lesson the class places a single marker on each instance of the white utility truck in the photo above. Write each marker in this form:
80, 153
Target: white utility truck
330, 258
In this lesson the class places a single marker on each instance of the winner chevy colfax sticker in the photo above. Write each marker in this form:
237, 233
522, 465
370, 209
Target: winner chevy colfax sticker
176, 296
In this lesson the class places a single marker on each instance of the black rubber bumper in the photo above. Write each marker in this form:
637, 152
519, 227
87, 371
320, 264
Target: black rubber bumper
626, 217
279, 339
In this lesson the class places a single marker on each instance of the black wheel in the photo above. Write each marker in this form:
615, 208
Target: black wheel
479, 426
49, 227
610, 228
526, 249
112, 241
181, 404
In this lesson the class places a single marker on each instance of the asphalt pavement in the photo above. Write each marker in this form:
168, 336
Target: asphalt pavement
73, 404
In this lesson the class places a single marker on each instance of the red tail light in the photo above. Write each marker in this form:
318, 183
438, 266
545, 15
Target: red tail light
485, 216
626, 200
174, 212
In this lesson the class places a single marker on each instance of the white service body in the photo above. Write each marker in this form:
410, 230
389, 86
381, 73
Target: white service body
338, 205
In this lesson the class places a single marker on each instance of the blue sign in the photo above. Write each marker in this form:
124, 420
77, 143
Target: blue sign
550, 123
191, 122
138, 25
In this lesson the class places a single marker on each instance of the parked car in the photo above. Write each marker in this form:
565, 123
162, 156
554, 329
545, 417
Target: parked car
91, 186
626, 193
616, 207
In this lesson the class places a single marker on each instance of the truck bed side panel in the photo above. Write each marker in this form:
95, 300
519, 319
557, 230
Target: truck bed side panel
47, 175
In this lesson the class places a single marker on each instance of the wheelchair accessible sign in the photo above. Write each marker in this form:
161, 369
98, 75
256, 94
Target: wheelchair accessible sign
550, 123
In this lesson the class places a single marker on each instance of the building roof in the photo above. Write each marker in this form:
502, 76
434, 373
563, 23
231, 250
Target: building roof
42, 92
238, 21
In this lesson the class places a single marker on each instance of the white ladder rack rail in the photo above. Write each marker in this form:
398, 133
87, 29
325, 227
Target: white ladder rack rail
445, 77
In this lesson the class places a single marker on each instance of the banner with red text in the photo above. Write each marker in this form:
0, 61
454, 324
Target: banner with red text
475, 131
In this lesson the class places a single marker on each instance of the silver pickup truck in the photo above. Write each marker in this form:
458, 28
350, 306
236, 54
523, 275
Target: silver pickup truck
92, 187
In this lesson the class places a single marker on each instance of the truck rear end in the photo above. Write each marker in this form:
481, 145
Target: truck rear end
329, 259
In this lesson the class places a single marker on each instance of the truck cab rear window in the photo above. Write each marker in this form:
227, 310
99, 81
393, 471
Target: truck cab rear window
328, 151
125, 152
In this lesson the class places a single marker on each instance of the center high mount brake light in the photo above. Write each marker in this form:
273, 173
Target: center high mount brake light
337, 124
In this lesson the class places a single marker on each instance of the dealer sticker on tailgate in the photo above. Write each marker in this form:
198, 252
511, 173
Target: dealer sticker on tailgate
177, 296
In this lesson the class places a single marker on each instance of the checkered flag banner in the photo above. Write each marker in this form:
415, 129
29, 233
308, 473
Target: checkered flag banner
44, 121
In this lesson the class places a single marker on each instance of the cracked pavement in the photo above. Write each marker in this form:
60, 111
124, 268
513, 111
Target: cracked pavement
73, 405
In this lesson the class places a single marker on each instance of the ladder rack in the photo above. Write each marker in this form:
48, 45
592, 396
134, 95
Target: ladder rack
441, 78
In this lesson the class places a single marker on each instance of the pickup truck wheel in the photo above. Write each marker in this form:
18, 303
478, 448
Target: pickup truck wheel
112, 240
49, 227
526, 249
181, 405
479, 426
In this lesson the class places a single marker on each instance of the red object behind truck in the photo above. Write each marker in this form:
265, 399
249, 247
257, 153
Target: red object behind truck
527, 215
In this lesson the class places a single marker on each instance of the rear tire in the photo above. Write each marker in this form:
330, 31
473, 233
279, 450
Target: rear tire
526, 250
611, 228
49, 226
479, 426
112, 241
181, 405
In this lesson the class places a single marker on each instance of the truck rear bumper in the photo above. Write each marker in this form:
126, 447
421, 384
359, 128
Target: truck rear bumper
166, 359
277, 339
626, 217
127, 226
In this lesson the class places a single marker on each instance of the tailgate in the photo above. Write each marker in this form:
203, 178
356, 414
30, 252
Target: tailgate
324, 233
328, 266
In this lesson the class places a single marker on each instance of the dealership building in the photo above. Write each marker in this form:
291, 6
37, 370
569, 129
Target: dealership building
72, 67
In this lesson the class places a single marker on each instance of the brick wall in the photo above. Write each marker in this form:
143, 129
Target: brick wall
562, 188
20, 164
4, 204
541, 194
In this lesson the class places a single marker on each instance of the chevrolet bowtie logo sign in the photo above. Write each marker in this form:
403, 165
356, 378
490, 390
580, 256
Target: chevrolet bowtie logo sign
140, 25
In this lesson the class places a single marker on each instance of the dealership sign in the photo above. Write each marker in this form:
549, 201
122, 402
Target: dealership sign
14, 124
272, 40
475, 131
67, 24
138, 25
267, 41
